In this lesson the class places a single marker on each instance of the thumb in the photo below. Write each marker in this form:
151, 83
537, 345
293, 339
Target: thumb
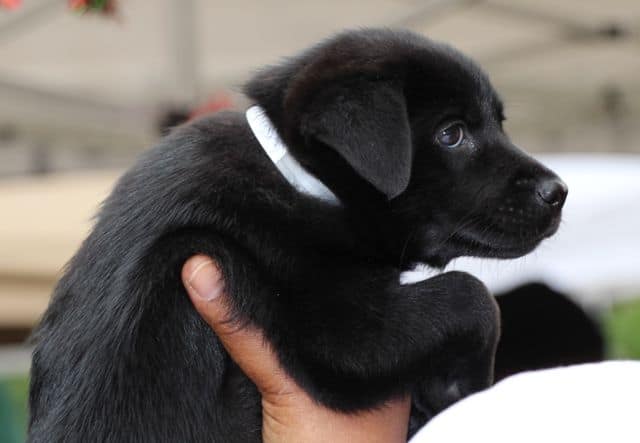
246, 345
204, 283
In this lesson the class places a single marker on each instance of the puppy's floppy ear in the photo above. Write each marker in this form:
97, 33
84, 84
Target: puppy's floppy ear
366, 122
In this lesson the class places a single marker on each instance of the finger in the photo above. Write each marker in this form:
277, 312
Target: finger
246, 345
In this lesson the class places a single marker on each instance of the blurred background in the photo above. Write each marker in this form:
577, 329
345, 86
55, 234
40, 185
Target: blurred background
85, 86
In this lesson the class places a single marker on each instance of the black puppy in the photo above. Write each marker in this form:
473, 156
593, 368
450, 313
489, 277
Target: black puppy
405, 137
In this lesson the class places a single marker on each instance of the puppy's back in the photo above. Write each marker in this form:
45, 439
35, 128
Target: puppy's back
120, 354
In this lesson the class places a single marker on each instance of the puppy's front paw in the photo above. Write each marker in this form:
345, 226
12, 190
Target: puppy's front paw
463, 363
435, 395
451, 379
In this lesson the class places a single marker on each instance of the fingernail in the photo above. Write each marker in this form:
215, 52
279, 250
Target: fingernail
205, 280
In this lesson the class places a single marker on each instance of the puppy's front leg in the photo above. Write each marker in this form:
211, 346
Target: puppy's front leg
364, 338
463, 366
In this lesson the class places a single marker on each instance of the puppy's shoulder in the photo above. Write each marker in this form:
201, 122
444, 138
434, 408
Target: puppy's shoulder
213, 133
213, 161
210, 147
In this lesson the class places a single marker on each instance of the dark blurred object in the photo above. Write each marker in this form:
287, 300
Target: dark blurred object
171, 118
542, 328
13, 335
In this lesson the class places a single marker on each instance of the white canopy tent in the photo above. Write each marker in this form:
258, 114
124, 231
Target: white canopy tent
76, 85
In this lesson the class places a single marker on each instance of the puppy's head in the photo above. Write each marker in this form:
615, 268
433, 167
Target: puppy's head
394, 121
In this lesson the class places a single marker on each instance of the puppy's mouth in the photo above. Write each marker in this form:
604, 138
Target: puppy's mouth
487, 245
497, 239
494, 232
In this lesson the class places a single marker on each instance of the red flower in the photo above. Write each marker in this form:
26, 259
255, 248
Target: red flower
10, 4
103, 6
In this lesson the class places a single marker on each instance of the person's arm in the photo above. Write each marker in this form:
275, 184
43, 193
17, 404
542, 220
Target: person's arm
288, 413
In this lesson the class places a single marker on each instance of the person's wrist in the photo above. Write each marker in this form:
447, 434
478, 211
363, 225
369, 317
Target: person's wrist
297, 418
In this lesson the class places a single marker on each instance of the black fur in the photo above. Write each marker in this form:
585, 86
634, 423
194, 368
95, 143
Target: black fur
121, 354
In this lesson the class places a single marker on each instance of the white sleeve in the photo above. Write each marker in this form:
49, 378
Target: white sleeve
597, 402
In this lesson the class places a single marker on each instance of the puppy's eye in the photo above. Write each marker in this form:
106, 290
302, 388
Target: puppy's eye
451, 136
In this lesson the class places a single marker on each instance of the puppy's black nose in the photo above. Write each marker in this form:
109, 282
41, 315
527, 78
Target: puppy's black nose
552, 191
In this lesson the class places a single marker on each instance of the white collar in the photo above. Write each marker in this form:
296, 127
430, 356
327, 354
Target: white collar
306, 183
296, 175
420, 272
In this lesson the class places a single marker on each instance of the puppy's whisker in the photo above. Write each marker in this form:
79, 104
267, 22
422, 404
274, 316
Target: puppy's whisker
467, 220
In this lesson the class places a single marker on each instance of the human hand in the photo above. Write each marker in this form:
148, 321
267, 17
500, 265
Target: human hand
288, 413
